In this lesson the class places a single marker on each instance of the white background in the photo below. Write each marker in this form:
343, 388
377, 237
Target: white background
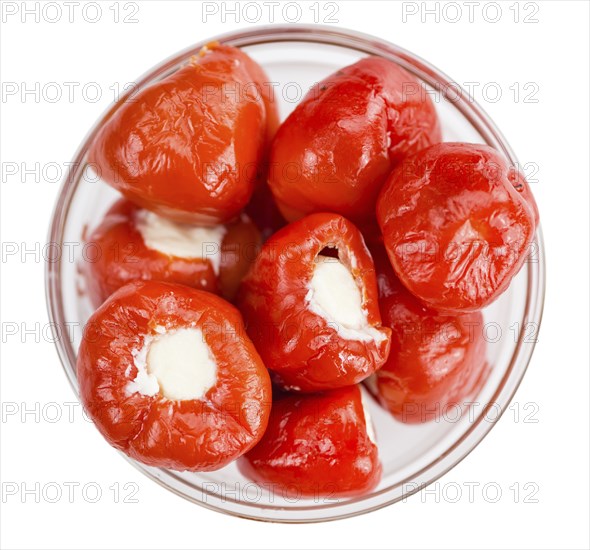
552, 453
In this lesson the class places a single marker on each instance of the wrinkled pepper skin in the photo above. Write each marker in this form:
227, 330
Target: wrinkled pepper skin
190, 146
457, 223
335, 150
303, 351
437, 361
316, 445
120, 256
197, 435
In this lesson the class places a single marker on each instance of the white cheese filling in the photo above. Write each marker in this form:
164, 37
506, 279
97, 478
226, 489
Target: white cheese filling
334, 295
180, 239
177, 363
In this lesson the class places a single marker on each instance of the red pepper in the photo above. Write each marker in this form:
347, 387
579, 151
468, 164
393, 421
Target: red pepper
120, 256
437, 362
304, 350
335, 150
316, 445
457, 222
182, 434
190, 146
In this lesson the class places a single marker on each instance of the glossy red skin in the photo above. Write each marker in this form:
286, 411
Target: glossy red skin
197, 435
456, 228
332, 153
316, 445
301, 349
190, 146
436, 360
118, 256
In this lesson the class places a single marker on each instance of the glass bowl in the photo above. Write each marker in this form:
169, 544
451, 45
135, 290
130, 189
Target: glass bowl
413, 456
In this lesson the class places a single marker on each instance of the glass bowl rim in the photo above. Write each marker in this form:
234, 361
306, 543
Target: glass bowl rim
533, 311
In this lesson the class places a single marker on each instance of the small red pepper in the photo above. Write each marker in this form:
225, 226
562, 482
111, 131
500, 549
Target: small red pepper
143, 418
191, 146
437, 362
335, 150
120, 255
287, 313
316, 445
457, 223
